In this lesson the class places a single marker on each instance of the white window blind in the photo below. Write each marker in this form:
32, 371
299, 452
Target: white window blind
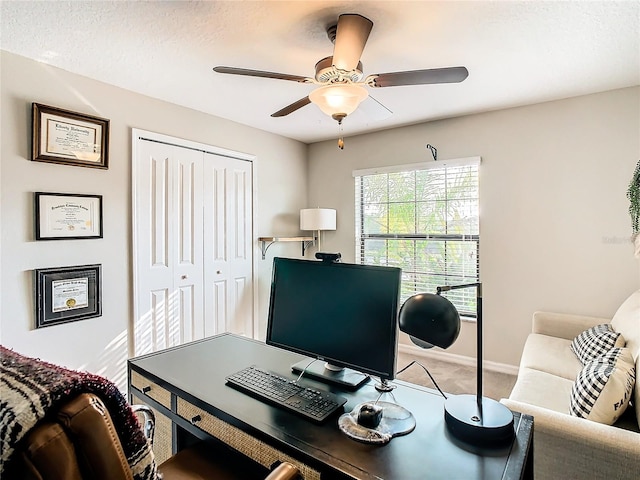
424, 219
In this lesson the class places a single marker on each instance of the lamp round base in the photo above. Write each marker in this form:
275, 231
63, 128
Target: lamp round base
396, 420
491, 425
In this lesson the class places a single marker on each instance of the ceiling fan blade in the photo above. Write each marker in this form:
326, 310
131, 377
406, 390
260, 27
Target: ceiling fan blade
351, 37
421, 77
292, 108
260, 73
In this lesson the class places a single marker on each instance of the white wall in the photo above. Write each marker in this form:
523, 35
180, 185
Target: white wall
553, 209
99, 345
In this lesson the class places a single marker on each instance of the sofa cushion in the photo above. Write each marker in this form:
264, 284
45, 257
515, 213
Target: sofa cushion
627, 321
603, 388
550, 354
596, 341
543, 389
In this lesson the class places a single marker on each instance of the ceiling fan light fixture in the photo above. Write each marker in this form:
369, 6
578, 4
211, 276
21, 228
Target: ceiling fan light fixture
340, 99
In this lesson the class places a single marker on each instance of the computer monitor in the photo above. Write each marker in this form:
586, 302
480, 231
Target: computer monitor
344, 314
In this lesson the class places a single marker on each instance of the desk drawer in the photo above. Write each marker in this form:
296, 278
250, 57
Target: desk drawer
151, 389
244, 443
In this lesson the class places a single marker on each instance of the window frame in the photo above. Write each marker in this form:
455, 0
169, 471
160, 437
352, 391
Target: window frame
361, 237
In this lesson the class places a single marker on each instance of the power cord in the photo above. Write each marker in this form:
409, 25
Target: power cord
304, 370
428, 373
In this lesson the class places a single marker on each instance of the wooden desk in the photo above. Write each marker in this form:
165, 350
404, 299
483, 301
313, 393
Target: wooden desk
186, 386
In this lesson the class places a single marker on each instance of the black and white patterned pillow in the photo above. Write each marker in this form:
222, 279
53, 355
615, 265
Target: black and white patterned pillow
603, 387
595, 342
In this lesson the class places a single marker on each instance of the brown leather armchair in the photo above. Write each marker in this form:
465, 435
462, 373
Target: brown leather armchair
80, 442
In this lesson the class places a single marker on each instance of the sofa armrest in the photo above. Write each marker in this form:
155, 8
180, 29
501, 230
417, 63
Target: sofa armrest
571, 447
563, 325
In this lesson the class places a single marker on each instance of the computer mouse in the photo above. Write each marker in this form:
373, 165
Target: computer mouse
369, 415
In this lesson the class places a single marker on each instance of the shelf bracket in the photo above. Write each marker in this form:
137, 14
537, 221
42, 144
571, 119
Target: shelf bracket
306, 244
264, 247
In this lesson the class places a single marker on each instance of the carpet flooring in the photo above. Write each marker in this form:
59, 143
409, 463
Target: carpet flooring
454, 378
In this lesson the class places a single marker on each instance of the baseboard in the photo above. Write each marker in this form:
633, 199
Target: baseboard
458, 359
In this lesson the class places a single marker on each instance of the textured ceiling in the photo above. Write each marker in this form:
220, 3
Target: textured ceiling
517, 53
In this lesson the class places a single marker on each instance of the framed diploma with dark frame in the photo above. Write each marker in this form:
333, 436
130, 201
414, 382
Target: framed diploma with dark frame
69, 138
66, 216
67, 294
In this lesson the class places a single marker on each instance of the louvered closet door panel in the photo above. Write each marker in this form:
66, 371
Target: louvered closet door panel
228, 231
189, 259
240, 264
216, 282
169, 259
154, 232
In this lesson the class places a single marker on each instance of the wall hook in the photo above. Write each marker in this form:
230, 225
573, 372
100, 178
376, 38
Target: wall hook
434, 151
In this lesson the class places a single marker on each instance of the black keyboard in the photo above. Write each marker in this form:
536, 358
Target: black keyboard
312, 404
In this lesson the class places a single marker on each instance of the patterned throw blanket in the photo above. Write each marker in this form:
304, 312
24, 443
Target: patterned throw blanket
31, 388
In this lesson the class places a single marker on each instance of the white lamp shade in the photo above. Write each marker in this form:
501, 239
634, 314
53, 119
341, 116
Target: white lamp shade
338, 99
317, 219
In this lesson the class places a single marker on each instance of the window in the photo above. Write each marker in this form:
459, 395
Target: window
424, 219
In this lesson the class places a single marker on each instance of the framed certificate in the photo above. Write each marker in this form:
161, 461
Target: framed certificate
65, 216
69, 138
67, 294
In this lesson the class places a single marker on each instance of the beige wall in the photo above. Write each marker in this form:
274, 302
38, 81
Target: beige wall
100, 344
553, 209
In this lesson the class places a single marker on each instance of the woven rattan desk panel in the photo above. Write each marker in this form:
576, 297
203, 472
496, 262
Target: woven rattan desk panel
151, 389
244, 443
162, 449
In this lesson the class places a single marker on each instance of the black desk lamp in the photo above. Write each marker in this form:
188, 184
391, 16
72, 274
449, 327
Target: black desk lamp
432, 320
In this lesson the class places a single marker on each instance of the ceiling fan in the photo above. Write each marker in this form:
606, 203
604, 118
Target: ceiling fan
340, 78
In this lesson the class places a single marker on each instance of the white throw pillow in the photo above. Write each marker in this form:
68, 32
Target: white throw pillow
627, 322
604, 387
596, 341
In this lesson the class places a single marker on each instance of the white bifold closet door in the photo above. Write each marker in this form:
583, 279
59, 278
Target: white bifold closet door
192, 222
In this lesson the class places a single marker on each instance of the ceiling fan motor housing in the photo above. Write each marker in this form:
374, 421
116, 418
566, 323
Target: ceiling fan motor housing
326, 72
332, 31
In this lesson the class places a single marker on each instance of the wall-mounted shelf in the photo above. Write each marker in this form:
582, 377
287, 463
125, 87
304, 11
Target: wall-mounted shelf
266, 242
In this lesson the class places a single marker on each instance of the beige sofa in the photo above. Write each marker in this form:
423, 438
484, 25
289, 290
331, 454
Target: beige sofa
566, 446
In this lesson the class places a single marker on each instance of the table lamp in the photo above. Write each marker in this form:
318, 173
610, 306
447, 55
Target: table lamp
432, 320
318, 219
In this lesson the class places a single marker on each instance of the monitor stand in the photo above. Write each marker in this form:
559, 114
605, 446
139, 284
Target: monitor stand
325, 372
